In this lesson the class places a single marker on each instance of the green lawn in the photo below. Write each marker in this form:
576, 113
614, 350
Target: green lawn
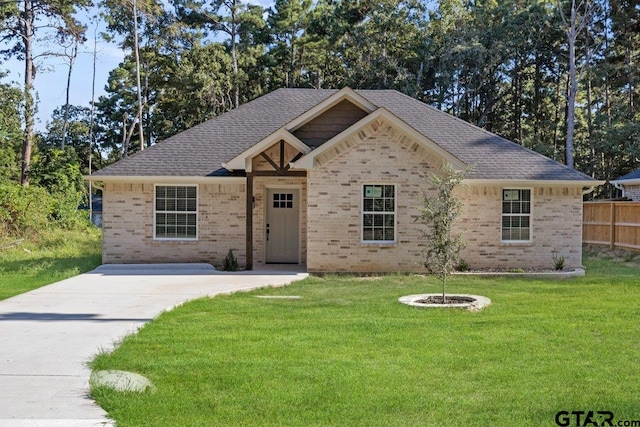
52, 257
348, 354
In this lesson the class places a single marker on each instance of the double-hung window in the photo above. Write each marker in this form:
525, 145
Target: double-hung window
176, 214
379, 213
516, 215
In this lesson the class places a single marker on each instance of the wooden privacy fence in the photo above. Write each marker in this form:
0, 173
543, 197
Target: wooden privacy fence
615, 224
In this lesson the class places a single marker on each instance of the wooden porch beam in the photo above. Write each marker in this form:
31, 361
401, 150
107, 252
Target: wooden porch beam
281, 155
279, 173
249, 221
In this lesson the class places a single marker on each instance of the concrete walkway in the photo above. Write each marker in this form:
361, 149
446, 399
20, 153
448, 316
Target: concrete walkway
48, 335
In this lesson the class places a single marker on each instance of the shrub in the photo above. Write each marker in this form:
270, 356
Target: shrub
462, 265
24, 209
558, 262
230, 262
28, 210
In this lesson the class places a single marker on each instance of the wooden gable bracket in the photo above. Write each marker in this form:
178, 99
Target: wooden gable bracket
282, 168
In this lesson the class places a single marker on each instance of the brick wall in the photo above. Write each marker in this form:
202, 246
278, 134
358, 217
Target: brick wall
632, 192
334, 208
556, 227
334, 212
128, 226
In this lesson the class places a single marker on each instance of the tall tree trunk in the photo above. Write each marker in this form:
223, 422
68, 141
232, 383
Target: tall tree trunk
629, 63
91, 118
29, 103
137, 55
573, 85
577, 22
592, 146
292, 62
234, 56
65, 123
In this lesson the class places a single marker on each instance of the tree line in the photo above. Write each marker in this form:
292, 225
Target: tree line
558, 77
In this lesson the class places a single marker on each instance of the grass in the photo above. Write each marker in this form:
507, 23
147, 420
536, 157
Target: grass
51, 257
348, 354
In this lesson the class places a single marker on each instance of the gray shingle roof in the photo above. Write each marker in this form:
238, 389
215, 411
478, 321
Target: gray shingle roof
201, 150
631, 175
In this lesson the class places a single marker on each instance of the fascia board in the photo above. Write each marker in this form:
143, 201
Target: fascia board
166, 179
635, 181
533, 182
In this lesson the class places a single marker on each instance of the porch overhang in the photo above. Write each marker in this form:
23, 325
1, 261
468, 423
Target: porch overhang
243, 160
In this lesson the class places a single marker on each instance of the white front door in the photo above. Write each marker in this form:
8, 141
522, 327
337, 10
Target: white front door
282, 226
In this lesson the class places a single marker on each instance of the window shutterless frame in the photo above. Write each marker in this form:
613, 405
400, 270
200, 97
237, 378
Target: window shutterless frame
175, 212
516, 206
378, 213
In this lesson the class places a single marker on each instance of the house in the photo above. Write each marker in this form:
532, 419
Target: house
331, 179
629, 184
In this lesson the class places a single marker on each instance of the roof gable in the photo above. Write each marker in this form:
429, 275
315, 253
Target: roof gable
330, 123
344, 94
379, 120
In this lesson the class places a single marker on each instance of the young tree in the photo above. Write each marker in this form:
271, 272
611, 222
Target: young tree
439, 212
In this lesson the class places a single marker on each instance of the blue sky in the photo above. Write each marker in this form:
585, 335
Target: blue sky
51, 77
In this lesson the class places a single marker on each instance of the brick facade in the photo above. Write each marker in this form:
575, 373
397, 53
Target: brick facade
335, 203
331, 218
128, 226
556, 227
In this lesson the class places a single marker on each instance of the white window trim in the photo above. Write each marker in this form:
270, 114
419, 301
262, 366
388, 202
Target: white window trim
197, 212
395, 215
530, 214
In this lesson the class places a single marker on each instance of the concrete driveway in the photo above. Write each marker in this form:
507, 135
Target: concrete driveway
48, 335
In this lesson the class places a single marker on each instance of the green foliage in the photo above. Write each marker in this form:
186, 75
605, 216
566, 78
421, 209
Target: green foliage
347, 354
462, 265
77, 136
10, 132
59, 173
558, 261
230, 262
34, 209
24, 210
439, 213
